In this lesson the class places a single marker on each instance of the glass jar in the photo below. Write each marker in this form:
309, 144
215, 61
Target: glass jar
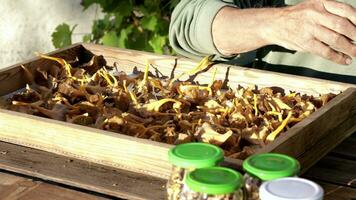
291, 189
213, 183
264, 167
187, 157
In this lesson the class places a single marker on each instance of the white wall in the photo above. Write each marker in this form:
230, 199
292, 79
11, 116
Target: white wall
26, 26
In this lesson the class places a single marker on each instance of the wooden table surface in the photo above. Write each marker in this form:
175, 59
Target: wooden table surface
336, 173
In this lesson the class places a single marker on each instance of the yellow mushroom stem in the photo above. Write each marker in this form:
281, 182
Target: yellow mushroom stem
272, 107
194, 87
86, 79
203, 64
255, 104
145, 76
154, 106
214, 77
144, 81
110, 79
291, 94
272, 136
61, 61
281, 104
132, 95
276, 114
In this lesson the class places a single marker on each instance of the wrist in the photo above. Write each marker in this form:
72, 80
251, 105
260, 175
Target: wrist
241, 30
271, 30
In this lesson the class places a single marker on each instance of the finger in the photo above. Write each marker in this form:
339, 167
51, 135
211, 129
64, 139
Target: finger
341, 9
338, 24
335, 40
327, 52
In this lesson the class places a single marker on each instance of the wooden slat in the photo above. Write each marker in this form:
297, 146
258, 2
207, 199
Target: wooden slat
81, 174
322, 147
108, 148
336, 192
19, 188
46, 191
334, 170
12, 77
347, 149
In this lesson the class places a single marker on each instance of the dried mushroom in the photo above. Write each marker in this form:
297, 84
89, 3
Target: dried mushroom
166, 110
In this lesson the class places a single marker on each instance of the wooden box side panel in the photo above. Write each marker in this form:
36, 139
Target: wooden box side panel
13, 77
111, 149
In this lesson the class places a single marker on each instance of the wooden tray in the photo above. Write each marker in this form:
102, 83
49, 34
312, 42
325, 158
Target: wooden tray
307, 141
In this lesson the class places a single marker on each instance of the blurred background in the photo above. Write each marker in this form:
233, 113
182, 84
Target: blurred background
29, 26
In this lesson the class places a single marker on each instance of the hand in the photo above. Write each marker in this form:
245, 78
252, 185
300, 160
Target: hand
324, 27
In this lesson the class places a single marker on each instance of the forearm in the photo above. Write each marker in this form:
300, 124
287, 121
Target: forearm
237, 30
324, 28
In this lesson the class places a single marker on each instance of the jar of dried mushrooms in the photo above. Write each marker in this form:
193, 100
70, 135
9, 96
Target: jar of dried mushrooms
213, 183
265, 167
186, 158
291, 189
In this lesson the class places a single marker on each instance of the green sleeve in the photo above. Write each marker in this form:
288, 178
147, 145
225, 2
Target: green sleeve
190, 32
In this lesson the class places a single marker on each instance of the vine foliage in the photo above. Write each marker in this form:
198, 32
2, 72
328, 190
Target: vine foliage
132, 24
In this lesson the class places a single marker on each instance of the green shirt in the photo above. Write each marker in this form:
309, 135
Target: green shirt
190, 35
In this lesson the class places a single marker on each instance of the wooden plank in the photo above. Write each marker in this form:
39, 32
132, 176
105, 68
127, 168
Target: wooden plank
347, 149
12, 77
18, 187
80, 174
336, 192
322, 147
108, 148
334, 170
46, 191
14, 187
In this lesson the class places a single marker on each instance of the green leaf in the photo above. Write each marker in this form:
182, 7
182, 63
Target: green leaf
157, 43
162, 27
124, 7
124, 36
87, 38
108, 6
110, 39
100, 27
152, 5
87, 3
139, 40
173, 3
62, 36
149, 22
118, 20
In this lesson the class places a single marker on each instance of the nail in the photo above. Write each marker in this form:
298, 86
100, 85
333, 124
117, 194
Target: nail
348, 61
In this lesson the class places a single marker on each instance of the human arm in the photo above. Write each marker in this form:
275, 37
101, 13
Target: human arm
190, 32
324, 28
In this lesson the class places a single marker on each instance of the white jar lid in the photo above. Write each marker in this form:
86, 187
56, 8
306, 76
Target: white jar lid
291, 188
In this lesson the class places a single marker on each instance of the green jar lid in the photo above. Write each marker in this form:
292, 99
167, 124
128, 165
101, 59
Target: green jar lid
271, 166
214, 180
195, 155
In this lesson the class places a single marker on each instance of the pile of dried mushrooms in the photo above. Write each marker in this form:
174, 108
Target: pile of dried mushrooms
165, 110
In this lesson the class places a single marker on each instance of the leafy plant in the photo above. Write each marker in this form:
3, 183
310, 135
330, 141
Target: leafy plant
133, 24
